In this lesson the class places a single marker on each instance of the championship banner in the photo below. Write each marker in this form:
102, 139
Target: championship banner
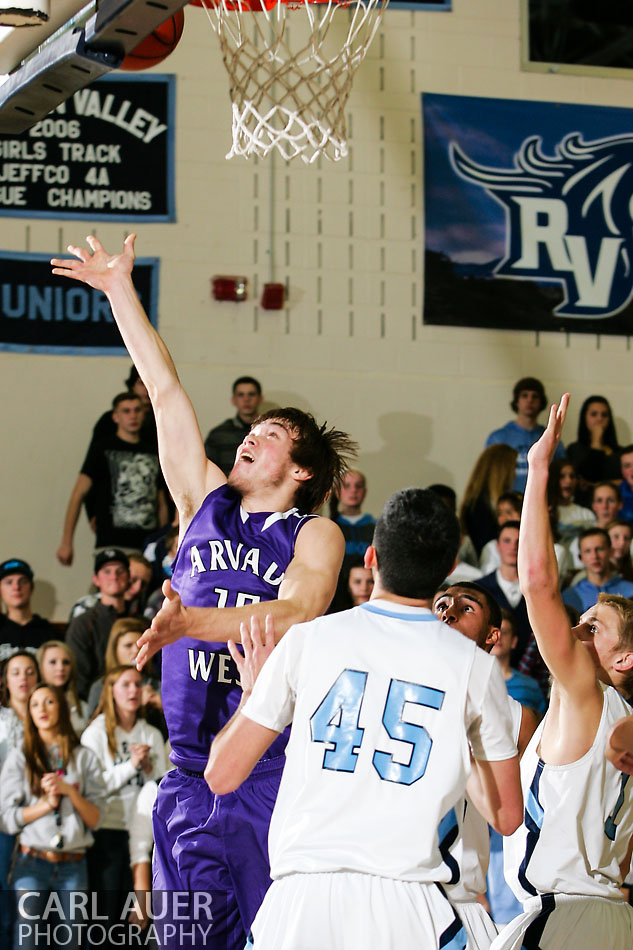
43, 313
106, 154
528, 215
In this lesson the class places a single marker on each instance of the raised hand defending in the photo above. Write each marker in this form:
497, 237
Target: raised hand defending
542, 452
96, 267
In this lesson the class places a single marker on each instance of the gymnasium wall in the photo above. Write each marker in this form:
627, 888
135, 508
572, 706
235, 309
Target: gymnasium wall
347, 238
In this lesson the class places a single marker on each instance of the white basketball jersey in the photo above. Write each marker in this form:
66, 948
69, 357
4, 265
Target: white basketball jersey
578, 819
472, 850
384, 700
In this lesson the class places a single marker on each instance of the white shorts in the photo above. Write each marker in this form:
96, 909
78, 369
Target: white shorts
478, 924
570, 922
349, 911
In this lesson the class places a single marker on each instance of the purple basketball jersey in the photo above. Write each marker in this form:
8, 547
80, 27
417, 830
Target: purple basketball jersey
228, 558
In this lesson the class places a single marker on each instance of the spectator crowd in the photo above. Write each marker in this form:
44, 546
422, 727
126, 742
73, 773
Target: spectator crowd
83, 741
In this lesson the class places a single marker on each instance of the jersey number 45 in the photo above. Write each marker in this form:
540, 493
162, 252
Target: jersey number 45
336, 719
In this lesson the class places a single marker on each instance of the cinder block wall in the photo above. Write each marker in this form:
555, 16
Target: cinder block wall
347, 238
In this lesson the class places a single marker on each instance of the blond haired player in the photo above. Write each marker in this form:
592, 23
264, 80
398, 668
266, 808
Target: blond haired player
567, 861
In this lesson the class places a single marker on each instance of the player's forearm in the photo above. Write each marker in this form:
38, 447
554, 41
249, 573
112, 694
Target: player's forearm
220, 625
148, 351
495, 790
537, 564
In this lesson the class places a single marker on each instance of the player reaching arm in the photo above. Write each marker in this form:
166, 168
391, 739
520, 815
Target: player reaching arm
310, 579
576, 697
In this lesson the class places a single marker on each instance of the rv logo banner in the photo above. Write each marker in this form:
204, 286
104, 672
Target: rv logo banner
528, 215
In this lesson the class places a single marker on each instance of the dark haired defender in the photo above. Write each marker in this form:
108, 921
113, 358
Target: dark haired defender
245, 547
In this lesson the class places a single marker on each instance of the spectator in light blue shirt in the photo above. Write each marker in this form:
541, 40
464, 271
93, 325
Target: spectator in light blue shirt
528, 401
595, 554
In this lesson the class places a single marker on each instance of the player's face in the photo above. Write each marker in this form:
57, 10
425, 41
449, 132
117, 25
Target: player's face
140, 576
44, 709
361, 584
528, 403
112, 579
21, 677
507, 512
567, 483
128, 416
16, 590
55, 667
620, 541
127, 648
127, 691
595, 553
508, 545
246, 400
626, 464
353, 490
263, 459
599, 630
605, 504
464, 610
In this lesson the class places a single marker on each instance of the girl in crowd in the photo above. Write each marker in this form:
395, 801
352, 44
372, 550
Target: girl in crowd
131, 752
122, 650
570, 518
59, 668
492, 476
18, 676
595, 453
51, 795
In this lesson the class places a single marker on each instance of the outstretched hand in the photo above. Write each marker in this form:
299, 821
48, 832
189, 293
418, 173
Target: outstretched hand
542, 452
169, 625
257, 649
97, 269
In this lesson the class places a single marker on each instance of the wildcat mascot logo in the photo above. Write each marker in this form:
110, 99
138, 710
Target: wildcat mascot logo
569, 218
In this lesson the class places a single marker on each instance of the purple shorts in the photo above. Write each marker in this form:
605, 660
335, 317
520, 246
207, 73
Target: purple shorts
213, 849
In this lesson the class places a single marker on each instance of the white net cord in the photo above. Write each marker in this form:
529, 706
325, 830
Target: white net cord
292, 100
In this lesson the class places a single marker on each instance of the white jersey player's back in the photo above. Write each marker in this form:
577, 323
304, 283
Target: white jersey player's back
383, 700
578, 819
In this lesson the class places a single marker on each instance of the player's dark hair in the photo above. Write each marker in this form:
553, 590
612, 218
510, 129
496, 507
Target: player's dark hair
124, 397
626, 450
616, 489
446, 493
507, 524
416, 540
528, 384
608, 436
323, 452
247, 381
589, 533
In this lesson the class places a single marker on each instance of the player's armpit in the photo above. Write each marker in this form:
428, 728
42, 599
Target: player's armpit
495, 790
235, 752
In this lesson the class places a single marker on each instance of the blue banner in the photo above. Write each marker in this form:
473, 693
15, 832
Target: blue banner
528, 215
43, 313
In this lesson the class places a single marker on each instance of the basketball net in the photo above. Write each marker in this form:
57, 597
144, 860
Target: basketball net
292, 99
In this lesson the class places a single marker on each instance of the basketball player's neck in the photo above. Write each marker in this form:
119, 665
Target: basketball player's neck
277, 498
380, 593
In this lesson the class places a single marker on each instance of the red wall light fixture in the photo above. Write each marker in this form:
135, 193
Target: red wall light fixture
229, 288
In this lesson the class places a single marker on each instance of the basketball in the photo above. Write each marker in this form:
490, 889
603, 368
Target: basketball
157, 46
